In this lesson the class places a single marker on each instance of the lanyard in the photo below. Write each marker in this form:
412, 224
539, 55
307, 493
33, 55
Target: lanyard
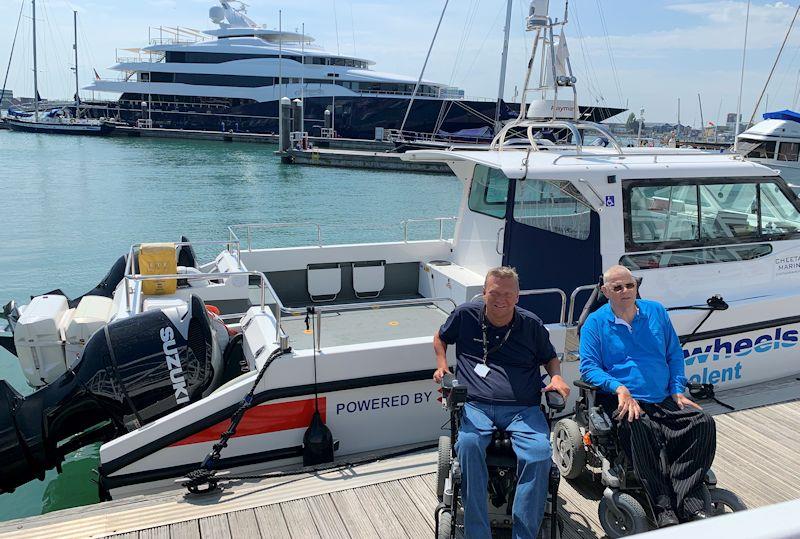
485, 339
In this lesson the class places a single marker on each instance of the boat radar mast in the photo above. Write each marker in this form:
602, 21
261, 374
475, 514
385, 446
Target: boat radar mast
555, 71
231, 14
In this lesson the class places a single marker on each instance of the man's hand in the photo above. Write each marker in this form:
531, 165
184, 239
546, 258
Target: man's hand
628, 406
684, 401
557, 383
439, 373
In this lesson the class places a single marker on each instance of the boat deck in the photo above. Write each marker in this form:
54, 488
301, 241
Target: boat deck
368, 325
758, 457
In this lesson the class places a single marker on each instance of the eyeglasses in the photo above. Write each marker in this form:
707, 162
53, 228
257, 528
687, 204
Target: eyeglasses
620, 287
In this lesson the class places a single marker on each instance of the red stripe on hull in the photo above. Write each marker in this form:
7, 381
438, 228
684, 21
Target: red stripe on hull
263, 419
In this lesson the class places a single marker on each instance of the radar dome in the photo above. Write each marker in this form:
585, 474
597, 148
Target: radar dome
216, 14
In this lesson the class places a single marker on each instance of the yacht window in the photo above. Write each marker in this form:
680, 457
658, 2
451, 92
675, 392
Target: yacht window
787, 151
663, 213
488, 192
689, 257
764, 149
555, 206
679, 214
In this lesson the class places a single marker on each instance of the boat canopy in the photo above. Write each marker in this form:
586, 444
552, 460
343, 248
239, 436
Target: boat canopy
785, 114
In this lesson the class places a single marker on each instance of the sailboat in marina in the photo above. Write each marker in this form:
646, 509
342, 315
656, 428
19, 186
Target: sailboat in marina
55, 120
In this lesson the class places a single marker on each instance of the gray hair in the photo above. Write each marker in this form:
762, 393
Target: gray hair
502, 272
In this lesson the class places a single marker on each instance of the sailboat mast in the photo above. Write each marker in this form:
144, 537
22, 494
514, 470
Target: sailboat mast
75, 48
503, 63
35, 78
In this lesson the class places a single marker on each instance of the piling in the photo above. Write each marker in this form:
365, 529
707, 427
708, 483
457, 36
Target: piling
285, 119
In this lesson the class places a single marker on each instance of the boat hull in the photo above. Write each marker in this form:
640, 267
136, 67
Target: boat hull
356, 116
58, 129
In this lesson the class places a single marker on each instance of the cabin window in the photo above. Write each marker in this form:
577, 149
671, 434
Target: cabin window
663, 213
488, 192
787, 151
555, 206
681, 214
690, 257
763, 149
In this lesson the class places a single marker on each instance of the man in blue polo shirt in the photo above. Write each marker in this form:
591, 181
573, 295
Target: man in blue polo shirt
500, 349
631, 351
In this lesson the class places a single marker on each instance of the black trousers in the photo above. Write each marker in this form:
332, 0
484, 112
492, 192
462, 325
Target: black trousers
671, 450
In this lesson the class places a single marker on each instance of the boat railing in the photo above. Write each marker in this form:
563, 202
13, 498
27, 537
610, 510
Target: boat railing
318, 310
533, 127
542, 292
248, 229
440, 220
232, 245
573, 300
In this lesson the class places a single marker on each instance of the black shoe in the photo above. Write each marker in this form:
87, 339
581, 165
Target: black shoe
667, 518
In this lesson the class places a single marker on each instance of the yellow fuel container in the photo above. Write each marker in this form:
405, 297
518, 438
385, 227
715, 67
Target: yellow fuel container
158, 259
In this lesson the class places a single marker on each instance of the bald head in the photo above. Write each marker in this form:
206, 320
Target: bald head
616, 272
619, 286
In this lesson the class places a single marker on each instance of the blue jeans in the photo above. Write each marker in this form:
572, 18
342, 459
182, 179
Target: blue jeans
531, 441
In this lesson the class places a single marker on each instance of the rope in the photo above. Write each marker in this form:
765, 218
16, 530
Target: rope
205, 475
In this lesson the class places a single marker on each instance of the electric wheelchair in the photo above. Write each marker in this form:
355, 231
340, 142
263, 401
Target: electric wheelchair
590, 438
502, 466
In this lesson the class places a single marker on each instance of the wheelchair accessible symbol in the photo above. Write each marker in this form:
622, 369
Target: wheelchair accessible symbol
609, 200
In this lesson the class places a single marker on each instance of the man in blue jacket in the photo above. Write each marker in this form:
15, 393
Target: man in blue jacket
631, 351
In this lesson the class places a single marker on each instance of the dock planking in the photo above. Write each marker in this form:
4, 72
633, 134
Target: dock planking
758, 455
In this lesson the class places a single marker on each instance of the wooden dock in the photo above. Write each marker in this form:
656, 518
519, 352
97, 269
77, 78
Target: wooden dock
758, 457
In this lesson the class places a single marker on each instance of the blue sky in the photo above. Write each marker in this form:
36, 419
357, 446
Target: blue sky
644, 53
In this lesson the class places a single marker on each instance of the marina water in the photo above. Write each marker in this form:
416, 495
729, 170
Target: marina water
72, 205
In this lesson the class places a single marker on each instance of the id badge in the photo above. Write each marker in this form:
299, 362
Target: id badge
482, 370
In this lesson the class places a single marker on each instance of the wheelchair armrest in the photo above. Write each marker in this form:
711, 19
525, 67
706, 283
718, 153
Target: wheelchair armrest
454, 395
599, 422
447, 380
585, 385
555, 401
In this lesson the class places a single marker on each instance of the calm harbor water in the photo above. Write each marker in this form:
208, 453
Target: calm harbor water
72, 205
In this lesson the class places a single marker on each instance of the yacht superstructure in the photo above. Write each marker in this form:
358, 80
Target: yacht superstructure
232, 77
775, 142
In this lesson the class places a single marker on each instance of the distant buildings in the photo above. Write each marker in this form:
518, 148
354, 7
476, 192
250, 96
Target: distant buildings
6, 96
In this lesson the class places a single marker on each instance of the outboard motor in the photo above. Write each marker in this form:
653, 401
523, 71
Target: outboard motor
133, 371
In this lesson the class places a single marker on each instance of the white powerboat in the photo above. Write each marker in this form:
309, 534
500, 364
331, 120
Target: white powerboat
273, 358
775, 142
346, 329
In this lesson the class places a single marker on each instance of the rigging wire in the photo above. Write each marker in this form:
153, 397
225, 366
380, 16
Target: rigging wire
613, 64
465, 35
774, 65
353, 27
336, 26
592, 84
11, 55
492, 29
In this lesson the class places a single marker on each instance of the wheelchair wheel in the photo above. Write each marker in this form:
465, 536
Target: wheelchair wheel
445, 525
631, 521
443, 468
570, 453
724, 501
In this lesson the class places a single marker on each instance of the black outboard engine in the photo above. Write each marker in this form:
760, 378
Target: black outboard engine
132, 372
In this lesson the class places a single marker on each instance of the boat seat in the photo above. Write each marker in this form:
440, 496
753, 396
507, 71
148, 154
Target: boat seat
324, 281
369, 278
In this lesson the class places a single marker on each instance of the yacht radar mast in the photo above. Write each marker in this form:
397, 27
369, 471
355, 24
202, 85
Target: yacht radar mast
231, 14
